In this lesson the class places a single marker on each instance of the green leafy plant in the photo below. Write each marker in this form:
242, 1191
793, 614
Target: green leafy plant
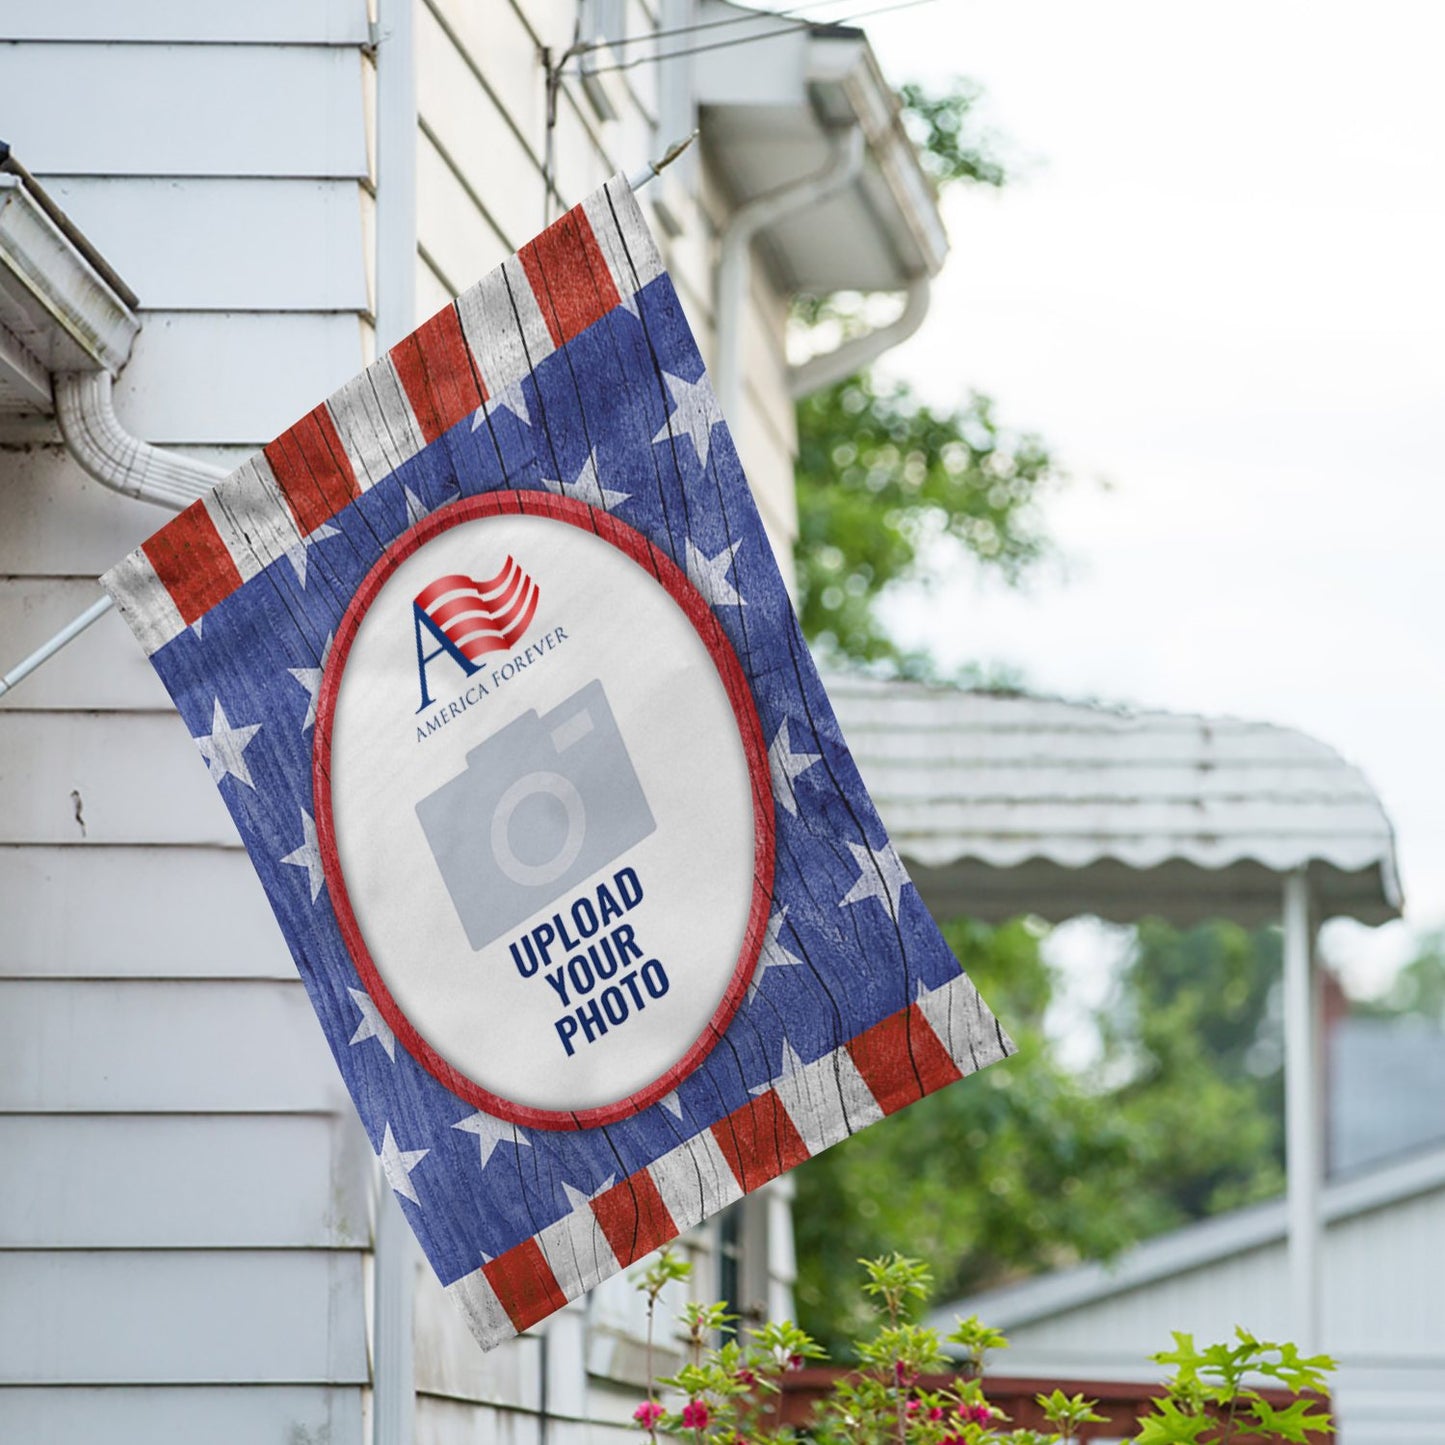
1208, 1399
910, 1388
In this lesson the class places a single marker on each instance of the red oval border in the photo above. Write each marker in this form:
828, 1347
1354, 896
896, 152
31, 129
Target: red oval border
695, 607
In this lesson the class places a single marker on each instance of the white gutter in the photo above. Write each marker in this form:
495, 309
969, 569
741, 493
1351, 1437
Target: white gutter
853, 355
734, 272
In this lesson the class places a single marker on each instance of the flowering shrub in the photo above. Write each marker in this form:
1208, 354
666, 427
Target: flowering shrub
728, 1392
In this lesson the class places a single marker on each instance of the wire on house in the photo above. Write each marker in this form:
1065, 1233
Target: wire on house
787, 13
748, 39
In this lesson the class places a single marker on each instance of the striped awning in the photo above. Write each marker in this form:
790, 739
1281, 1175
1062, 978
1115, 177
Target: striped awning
1004, 804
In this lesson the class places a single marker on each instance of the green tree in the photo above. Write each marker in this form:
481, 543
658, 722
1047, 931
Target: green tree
892, 491
1030, 1166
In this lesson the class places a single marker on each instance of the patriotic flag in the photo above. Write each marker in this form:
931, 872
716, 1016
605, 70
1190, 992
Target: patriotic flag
492, 664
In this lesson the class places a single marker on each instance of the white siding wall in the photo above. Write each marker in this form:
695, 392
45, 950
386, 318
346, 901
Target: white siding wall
1384, 1320
186, 1208
481, 98
186, 1201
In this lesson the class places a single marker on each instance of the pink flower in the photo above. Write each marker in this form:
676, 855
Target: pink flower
745, 1376
795, 1362
902, 1374
912, 1407
979, 1414
695, 1415
936, 1413
647, 1414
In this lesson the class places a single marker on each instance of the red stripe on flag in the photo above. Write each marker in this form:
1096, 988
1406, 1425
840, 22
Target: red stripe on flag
525, 1284
435, 367
192, 562
634, 1217
569, 276
759, 1141
312, 471
902, 1059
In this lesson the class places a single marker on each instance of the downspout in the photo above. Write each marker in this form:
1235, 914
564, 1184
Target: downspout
96, 439
734, 271
852, 356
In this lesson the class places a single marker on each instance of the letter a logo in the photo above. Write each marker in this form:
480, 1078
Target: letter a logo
444, 645
468, 619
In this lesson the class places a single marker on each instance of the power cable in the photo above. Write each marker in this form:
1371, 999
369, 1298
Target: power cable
752, 39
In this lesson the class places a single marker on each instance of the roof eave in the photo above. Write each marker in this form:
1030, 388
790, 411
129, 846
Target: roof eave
57, 312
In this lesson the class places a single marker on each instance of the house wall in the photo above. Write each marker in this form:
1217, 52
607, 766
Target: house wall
188, 1202
186, 1205
1383, 1319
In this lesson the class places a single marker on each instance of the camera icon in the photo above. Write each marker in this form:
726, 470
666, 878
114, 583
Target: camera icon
542, 804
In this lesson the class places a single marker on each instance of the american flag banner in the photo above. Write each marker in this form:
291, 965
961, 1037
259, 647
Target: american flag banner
493, 666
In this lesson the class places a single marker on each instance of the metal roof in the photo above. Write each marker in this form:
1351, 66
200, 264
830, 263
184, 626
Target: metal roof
1006, 804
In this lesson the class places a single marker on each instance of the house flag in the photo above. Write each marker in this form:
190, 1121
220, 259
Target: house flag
495, 671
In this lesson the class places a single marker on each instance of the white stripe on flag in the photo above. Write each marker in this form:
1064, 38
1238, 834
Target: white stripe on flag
375, 423
623, 237
144, 602
695, 1180
963, 1024
478, 1301
578, 1252
827, 1100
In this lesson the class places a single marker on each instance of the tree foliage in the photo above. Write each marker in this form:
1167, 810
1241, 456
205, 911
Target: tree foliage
885, 483
893, 491
1031, 1166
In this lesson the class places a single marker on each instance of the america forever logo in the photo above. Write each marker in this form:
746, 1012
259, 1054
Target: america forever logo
466, 619
562, 398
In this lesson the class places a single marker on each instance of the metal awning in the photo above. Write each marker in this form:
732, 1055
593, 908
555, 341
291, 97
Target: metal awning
769, 111
1006, 804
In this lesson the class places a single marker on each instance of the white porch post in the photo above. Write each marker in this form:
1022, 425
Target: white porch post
1303, 1152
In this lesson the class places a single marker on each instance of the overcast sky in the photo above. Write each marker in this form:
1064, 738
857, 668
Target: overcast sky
1216, 283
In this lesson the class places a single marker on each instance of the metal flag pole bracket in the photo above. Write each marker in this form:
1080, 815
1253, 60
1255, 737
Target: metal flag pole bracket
653, 169
47, 650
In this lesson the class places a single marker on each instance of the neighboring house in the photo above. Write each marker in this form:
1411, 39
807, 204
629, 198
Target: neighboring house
1384, 1300
1386, 1090
261, 197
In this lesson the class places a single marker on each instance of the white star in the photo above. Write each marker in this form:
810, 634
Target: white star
310, 679
578, 1200
492, 1132
308, 855
788, 1070
695, 413
709, 575
296, 552
773, 954
880, 875
672, 1103
414, 509
398, 1164
196, 627
224, 745
511, 397
587, 488
372, 1025
786, 766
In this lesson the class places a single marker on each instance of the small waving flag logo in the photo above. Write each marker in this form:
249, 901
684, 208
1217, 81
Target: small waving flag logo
480, 617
